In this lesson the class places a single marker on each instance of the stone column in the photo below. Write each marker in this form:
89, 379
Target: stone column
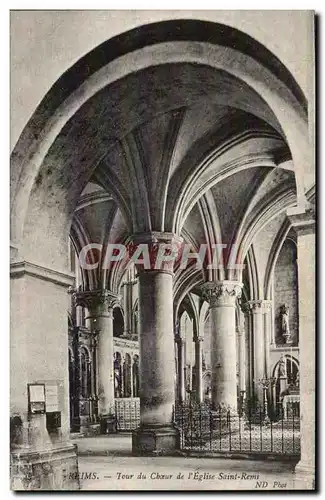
272, 322
181, 369
248, 352
99, 304
222, 298
94, 375
128, 303
304, 224
267, 335
131, 376
157, 433
242, 358
257, 309
198, 342
122, 375
267, 345
242, 352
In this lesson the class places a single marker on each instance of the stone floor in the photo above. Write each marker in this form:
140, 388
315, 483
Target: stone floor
106, 463
110, 444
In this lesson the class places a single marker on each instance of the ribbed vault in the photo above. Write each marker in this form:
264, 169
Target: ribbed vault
189, 136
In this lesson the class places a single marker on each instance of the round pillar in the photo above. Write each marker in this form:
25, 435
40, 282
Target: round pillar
157, 433
180, 374
248, 352
157, 373
257, 309
267, 336
222, 297
100, 304
105, 361
198, 369
242, 358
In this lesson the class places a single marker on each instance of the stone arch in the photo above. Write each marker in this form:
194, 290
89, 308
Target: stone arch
171, 42
253, 276
204, 312
292, 369
206, 379
45, 191
274, 254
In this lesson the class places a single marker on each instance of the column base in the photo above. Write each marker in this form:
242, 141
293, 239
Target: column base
224, 422
89, 429
107, 424
304, 476
155, 440
51, 469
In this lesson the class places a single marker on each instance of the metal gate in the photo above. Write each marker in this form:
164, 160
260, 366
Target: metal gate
205, 429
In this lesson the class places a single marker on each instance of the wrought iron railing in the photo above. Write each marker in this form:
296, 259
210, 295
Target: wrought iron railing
203, 428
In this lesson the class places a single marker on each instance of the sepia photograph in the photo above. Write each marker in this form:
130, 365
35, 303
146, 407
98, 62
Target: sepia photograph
162, 250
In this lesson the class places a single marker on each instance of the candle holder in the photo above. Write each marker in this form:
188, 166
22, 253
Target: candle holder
265, 384
242, 401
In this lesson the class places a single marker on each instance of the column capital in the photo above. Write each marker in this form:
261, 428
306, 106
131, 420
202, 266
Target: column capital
179, 340
222, 293
267, 305
302, 219
93, 299
159, 251
257, 306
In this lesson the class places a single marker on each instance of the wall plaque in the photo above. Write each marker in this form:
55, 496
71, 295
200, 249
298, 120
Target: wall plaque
52, 398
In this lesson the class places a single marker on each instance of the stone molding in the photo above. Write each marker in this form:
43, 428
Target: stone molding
126, 343
222, 293
93, 299
302, 219
19, 269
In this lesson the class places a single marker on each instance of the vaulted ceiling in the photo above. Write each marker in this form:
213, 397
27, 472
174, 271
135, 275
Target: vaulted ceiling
180, 148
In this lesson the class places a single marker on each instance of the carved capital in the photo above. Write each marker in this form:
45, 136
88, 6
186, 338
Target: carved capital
222, 293
257, 306
159, 251
179, 340
267, 305
96, 299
